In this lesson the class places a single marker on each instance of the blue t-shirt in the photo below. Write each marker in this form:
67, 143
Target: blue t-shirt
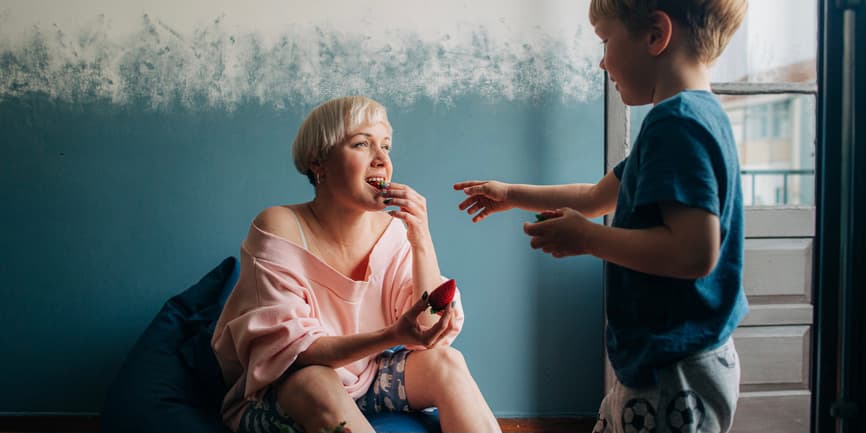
685, 153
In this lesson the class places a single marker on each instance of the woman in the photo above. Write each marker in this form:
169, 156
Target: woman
328, 286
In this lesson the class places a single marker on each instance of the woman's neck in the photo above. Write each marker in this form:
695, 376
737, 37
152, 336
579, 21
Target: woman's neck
339, 225
342, 237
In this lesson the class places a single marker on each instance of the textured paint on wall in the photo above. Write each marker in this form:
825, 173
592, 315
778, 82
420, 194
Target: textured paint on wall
215, 66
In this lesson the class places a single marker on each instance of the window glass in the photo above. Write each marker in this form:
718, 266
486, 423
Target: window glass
777, 42
775, 137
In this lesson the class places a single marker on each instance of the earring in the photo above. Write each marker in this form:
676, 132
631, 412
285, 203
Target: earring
320, 179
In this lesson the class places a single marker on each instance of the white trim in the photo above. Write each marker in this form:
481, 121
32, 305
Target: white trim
616, 127
779, 222
742, 88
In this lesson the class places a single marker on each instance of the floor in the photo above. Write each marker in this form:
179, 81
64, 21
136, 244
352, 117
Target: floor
91, 425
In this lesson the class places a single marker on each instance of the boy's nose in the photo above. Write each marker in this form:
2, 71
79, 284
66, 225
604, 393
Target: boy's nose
601, 64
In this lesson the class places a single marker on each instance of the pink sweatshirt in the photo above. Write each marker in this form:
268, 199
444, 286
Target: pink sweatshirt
286, 298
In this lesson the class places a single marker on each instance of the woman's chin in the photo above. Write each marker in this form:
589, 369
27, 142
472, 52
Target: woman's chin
379, 206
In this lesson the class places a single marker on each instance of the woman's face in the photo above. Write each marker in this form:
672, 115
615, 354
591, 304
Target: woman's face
356, 165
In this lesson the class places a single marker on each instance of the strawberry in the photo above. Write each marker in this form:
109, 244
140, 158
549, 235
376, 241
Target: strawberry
442, 296
546, 215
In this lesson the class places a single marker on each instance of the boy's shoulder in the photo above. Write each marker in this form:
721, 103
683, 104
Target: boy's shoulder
690, 122
691, 108
686, 105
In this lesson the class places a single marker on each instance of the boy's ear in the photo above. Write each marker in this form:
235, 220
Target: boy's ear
659, 37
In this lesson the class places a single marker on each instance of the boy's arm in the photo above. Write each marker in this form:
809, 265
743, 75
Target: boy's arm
685, 246
592, 200
603, 197
487, 197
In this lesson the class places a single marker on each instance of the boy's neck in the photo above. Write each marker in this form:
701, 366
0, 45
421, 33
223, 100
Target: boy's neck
677, 73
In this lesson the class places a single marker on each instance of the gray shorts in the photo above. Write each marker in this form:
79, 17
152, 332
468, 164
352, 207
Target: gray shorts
696, 394
387, 393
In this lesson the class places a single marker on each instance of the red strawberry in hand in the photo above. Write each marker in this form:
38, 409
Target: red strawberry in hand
442, 296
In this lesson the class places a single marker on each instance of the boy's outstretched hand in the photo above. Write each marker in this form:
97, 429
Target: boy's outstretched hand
563, 233
486, 197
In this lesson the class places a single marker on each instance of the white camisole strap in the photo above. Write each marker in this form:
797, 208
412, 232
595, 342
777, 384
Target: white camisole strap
300, 229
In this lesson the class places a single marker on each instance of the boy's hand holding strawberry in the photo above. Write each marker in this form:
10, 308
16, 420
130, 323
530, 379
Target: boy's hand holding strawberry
560, 233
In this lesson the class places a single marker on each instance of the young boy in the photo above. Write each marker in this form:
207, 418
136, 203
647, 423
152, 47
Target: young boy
675, 248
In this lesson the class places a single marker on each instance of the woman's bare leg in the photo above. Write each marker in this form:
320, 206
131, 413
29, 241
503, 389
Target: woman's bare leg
315, 398
439, 377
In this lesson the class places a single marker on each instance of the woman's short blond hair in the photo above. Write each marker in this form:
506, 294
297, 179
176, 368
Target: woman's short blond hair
710, 24
329, 124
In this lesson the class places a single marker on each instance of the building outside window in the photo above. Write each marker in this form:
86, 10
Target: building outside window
775, 136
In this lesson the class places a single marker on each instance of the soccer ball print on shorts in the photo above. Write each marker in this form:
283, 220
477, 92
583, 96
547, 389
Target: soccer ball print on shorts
680, 401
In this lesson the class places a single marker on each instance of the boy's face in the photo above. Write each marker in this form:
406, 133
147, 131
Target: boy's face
627, 61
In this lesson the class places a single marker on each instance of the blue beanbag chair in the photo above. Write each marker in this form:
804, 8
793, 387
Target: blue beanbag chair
171, 381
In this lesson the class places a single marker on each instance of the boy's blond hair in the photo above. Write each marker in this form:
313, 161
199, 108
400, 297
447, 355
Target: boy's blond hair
329, 124
709, 23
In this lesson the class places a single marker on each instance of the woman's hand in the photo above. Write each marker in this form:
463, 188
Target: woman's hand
407, 330
563, 234
413, 211
425, 266
486, 197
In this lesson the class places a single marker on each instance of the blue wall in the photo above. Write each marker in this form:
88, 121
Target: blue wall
110, 208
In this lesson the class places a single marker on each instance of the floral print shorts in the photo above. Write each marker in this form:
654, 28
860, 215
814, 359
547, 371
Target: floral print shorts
387, 393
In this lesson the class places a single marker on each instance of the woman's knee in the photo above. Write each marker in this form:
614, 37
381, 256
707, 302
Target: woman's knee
450, 357
315, 398
310, 376
444, 364
314, 385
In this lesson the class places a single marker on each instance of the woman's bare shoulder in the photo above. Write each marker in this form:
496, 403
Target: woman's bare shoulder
280, 221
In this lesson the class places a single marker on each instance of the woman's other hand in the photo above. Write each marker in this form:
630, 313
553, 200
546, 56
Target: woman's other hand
409, 331
486, 197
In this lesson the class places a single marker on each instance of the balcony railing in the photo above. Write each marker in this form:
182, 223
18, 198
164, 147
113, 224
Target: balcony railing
785, 173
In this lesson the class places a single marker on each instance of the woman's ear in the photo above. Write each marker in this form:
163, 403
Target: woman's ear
661, 29
318, 172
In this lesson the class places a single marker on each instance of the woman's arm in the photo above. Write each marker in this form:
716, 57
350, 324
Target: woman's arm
426, 275
337, 351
